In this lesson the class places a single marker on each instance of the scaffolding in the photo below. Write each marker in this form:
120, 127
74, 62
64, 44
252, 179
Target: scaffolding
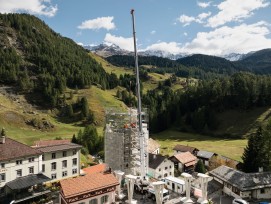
122, 140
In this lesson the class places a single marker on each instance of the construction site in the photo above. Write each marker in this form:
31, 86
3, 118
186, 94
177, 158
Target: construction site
122, 141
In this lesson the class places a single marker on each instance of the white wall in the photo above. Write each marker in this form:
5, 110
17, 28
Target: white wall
178, 188
111, 198
161, 170
59, 169
10, 168
265, 195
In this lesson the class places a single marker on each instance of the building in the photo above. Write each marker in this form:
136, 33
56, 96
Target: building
243, 185
182, 148
160, 166
153, 146
205, 156
59, 160
99, 168
94, 188
175, 184
122, 141
20, 171
184, 162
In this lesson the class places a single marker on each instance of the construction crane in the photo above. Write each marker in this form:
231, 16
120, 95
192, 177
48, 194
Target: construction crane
142, 142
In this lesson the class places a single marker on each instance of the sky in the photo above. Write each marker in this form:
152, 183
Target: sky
215, 27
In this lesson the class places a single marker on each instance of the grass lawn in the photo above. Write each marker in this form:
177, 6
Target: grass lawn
232, 148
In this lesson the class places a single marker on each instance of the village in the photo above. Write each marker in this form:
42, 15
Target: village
50, 172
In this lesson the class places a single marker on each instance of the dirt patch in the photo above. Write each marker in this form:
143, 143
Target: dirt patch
13, 117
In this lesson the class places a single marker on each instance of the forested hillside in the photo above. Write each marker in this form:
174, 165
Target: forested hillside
38, 60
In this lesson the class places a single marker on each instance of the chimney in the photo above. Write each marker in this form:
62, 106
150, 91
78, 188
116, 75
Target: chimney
3, 136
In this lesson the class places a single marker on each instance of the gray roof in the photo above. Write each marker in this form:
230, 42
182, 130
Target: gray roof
27, 181
59, 147
205, 154
241, 180
155, 160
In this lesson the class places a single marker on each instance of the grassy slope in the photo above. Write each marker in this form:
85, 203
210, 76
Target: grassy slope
232, 148
12, 118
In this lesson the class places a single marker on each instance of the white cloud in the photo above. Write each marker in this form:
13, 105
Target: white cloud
185, 34
39, 7
204, 15
81, 44
171, 47
204, 4
225, 40
124, 43
186, 20
153, 32
233, 10
98, 23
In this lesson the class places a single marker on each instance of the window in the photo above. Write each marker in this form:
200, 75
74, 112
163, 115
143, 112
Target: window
64, 173
74, 171
2, 178
165, 175
19, 172
93, 201
166, 168
74, 161
159, 169
262, 191
169, 173
104, 199
31, 170
2, 165
170, 167
32, 159
42, 157
18, 162
53, 155
82, 203
74, 152
53, 176
64, 164
43, 168
64, 153
53, 165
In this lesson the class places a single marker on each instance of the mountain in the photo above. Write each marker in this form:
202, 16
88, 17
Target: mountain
234, 56
258, 62
209, 63
40, 62
105, 50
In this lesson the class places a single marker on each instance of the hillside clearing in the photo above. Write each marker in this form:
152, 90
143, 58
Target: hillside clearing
232, 148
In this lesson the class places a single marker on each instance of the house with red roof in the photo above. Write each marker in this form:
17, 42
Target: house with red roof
93, 188
184, 161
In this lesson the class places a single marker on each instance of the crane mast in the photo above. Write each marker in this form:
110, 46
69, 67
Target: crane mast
143, 170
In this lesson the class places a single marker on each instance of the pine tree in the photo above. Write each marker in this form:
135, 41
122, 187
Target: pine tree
85, 107
74, 140
200, 168
254, 155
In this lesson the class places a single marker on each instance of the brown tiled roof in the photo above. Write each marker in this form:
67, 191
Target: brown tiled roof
152, 145
185, 157
59, 147
43, 143
87, 183
12, 149
99, 168
184, 148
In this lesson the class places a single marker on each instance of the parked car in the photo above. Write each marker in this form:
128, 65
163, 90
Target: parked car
239, 201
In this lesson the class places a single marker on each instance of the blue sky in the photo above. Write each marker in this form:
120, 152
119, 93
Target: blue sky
175, 26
